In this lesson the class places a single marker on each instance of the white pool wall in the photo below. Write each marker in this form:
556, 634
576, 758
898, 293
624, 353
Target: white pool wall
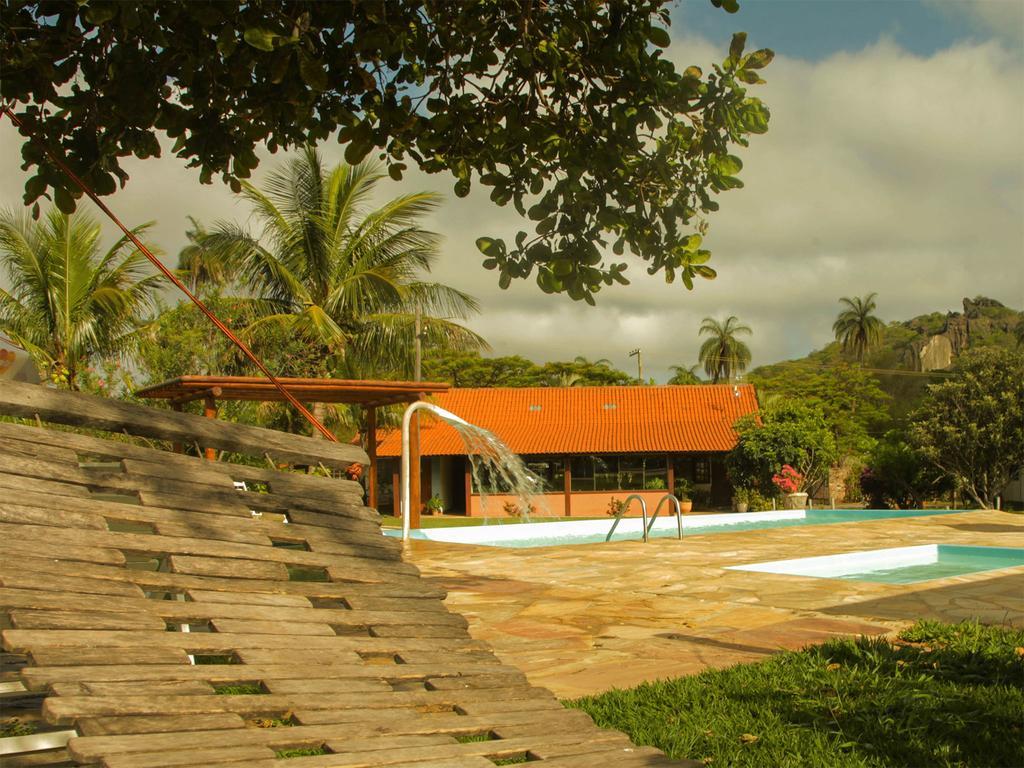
848, 562
498, 532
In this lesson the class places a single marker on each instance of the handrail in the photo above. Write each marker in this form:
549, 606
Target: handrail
679, 513
624, 509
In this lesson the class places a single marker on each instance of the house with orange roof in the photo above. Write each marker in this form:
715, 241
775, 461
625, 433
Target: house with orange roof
588, 444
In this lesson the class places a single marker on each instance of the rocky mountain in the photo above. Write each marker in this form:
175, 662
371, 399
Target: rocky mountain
984, 322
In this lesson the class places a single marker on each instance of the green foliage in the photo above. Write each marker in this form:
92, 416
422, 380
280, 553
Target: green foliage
15, 727
722, 354
684, 489
472, 370
340, 279
758, 502
284, 754
898, 475
569, 111
790, 433
854, 405
857, 329
68, 303
682, 375
971, 426
942, 695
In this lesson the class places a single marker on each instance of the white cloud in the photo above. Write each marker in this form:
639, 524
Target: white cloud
882, 171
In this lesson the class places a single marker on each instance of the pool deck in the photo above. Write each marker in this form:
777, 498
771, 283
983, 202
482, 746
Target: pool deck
585, 618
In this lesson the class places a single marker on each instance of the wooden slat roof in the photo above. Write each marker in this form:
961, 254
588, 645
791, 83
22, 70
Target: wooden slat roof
374, 393
578, 420
169, 619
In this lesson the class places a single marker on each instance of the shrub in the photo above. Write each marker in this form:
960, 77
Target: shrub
615, 507
514, 510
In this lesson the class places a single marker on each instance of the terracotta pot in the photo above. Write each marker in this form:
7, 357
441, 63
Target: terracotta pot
796, 501
686, 506
742, 506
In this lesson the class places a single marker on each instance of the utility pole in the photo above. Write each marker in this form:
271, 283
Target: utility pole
639, 366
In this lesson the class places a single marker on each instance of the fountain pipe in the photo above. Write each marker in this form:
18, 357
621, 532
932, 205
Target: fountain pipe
419, 405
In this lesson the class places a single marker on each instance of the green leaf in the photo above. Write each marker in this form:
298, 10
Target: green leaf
261, 39
395, 171
659, 37
759, 59
706, 272
739, 40
751, 78
504, 281
312, 70
487, 245
65, 202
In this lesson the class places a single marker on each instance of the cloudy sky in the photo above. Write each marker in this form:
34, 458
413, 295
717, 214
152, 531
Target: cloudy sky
894, 163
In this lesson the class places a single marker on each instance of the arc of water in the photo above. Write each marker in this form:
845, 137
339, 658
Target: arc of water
419, 405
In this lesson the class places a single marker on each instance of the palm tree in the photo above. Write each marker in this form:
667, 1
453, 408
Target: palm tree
723, 355
330, 272
69, 303
856, 329
683, 375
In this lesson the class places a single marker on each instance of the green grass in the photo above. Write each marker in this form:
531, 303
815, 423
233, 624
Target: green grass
14, 727
940, 695
301, 752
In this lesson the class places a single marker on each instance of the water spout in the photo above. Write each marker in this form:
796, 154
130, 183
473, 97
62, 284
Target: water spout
481, 446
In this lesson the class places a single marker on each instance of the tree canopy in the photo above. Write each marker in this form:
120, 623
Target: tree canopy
972, 426
69, 302
787, 433
722, 354
856, 328
472, 370
570, 110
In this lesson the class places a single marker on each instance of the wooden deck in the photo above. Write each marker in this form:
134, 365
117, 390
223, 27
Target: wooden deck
156, 615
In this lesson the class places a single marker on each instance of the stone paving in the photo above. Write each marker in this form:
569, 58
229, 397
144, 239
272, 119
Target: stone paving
585, 618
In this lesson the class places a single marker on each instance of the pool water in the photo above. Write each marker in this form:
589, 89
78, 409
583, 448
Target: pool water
561, 533
899, 565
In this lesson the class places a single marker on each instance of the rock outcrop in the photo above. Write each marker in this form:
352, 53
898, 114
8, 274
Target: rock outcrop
982, 317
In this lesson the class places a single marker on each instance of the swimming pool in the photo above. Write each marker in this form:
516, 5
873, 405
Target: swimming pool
595, 531
897, 565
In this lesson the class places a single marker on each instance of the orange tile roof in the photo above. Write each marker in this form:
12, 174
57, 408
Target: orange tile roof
552, 420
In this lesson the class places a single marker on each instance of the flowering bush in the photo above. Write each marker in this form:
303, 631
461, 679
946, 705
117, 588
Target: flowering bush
788, 480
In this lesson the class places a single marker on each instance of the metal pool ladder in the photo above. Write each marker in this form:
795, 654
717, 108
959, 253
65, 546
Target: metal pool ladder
643, 511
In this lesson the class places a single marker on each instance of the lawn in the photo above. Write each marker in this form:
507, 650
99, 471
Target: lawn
939, 695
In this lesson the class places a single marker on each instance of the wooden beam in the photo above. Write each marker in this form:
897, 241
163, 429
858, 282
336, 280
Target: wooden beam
469, 486
396, 494
568, 486
210, 412
371, 452
671, 474
104, 413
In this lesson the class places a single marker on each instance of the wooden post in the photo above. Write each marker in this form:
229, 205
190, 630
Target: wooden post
210, 412
371, 451
469, 487
568, 486
671, 478
427, 482
396, 494
177, 447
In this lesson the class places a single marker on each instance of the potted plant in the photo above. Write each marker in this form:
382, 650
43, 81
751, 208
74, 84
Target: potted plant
791, 483
741, 499
435, 505
684, 489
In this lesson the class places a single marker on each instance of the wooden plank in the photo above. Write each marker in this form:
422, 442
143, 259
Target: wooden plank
21, 484
408, 724
78, 409
240, 755
31, 619
68, 588
91, 657
150, 688
345, 587
349, 668
12, 512
233, 568
117, 726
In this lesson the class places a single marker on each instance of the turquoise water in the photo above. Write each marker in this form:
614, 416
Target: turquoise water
953, 560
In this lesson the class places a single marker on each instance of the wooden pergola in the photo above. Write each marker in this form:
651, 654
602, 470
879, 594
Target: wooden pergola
371, 395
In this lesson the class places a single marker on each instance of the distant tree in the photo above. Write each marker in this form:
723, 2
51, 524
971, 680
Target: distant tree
569, 111
683, 375
68, 302
583, 373
788, 433
899, 475
199, 269
472, 370
854, 405
856, 328
971, 426
722, 354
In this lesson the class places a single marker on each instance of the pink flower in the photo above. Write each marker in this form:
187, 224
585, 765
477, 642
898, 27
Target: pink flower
788, 480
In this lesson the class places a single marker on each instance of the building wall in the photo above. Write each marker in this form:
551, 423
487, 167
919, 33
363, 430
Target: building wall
583, 504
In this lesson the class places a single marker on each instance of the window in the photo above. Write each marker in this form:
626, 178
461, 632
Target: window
619, 473
702, 471
550, 470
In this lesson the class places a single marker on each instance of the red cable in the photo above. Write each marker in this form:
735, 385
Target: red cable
173, 278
